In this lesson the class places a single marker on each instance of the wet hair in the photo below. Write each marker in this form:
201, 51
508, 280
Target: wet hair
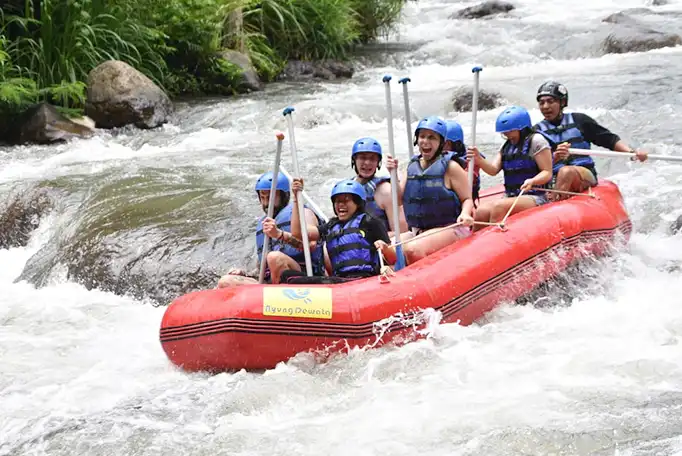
525, 133
457, 146
286, 196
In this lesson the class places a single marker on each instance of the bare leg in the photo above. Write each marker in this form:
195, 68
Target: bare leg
278, 263
389, 253
483, 214
425, 244
571, 179
231, 281
501, 207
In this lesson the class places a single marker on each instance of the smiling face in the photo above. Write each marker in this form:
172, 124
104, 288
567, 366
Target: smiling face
344, 206
428, 142
366, 164
550, 107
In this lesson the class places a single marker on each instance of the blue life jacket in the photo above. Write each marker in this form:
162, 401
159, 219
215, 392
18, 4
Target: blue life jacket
349, 252
461, 159
518, 165
567, 131
426, 201
283, 220
371, 205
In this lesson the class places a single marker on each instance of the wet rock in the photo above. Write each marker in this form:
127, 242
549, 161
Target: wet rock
484, 9
250, 81
462, 99
44, 124
21, 215
676, 226
633, 32
625, 17
299, 70
119, 95
626, 40
150, 236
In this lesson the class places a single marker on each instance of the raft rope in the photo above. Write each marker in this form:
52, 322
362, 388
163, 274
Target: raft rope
386, 270
562, 192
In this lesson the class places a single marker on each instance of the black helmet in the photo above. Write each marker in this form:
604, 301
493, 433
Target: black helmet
554, 89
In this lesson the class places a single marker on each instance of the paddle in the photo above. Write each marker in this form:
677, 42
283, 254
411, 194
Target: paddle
474, 111
299, 201
603, 153
271, 205
408, 117
307, 198
400, 256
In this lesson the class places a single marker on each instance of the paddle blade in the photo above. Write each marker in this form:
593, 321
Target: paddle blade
400, 262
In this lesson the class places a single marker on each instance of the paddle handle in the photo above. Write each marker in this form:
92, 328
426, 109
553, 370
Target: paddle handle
609, 153
391, 150
474, 111
408, 117
271, 205
316, 209
299, 201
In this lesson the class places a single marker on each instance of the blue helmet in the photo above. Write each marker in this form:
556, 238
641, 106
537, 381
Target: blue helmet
512, 118
367, 145
433, 123
455, 132
349, 186
265, 182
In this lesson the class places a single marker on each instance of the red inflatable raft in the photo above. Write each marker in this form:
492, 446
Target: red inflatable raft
257, 326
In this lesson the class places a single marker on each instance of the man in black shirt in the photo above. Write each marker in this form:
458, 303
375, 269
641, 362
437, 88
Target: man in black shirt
573, 173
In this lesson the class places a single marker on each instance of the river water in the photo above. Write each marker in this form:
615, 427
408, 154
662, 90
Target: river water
598, 372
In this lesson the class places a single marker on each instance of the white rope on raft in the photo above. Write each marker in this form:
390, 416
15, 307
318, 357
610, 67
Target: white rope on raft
386, 270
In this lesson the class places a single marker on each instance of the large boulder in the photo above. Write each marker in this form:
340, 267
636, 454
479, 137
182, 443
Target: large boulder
484, 9
132, 237
462, 99
299, 70
250, 81
676, 226
119, 95
20, 214
624, 40
639, 30
44, 124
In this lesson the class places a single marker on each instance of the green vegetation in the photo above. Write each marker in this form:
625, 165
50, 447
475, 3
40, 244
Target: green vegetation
48, 47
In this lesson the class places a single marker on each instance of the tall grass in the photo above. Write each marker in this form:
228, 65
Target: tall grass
47, 54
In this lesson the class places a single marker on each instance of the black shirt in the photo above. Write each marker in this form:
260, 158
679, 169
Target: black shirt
592, 131
373, 228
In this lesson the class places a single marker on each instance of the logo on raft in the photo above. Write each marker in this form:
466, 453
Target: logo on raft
297, 302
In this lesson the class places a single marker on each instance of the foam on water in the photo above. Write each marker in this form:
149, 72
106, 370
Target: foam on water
83, 371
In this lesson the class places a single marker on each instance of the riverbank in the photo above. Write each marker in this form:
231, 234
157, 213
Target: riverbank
187, 47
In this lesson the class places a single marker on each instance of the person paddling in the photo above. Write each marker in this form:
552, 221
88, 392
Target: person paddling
434, 192
349, 237
454, 142
573, 173
366, 161
526, 160
287, 250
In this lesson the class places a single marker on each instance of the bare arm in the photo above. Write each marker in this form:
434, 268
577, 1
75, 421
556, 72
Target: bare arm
382, 196
491, 167
458, 181
392, 163
311, 220
544, 162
